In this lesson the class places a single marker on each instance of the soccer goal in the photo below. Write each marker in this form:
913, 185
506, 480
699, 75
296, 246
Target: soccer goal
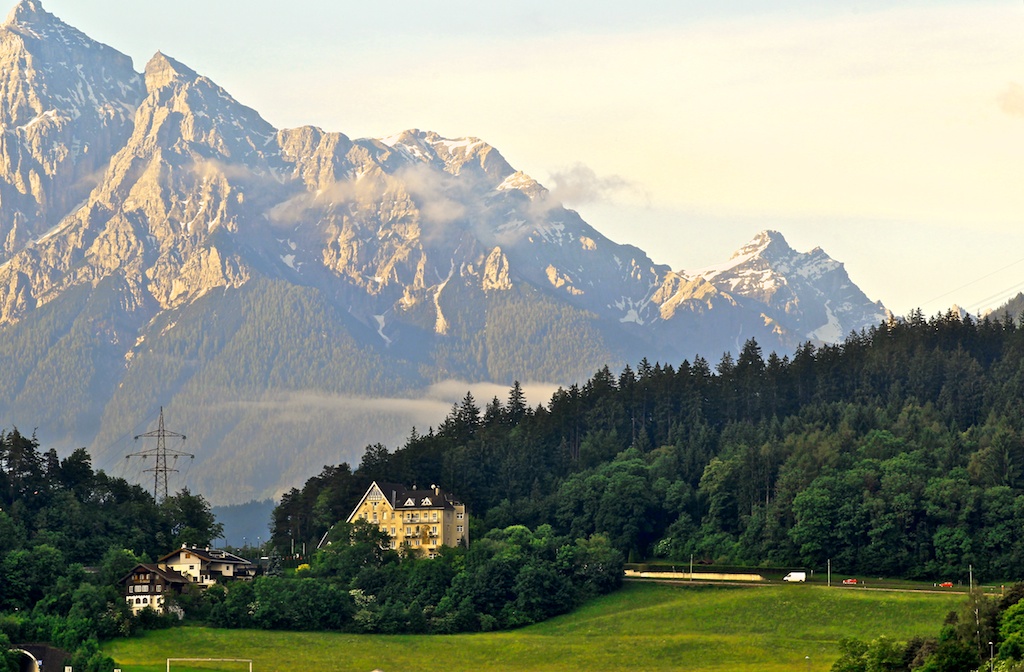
205, 664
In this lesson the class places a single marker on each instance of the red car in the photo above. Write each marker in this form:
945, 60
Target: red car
849, 582
946, 584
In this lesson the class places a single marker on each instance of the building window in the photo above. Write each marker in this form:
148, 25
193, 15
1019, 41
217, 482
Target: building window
435, 515
459, 515
458, 528
375, 516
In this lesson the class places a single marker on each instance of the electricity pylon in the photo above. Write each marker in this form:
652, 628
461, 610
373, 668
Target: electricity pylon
161, 453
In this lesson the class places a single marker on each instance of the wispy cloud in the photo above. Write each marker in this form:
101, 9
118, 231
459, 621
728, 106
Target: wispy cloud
437, 195
425, 409
1011, 100
581, 185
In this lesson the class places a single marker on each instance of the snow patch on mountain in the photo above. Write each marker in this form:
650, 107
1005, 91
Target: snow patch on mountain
831, 331
517, 180
380, 329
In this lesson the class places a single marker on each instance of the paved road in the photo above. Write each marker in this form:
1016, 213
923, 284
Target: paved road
753, 584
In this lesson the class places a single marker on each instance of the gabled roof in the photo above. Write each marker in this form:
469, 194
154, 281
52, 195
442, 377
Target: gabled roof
168, 575
400, 497
209, 555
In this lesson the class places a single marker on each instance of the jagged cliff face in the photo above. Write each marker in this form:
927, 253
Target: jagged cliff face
160, 241
66, 105
204, 193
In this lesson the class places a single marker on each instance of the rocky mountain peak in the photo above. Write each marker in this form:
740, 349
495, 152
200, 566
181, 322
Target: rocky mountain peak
520, 181
766, 243
453, 155
193, 116
27, 12
808, 294
66, 105
162, 70
47, 36
47, 66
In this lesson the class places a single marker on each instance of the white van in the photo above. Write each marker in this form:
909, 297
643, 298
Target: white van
795, 576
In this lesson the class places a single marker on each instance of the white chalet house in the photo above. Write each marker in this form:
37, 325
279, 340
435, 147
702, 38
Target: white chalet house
148, 584
205, 566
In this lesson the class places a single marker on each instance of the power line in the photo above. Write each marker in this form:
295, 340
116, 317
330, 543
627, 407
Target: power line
161, 452
976, 280
1002, 296
115, 447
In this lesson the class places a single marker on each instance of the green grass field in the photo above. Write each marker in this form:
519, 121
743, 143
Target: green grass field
642, 627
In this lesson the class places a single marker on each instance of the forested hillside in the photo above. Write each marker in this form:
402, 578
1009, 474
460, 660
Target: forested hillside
899, 452
1014, 306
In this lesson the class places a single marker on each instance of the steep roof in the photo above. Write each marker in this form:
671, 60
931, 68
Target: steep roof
210, 555
168, 575
402, 497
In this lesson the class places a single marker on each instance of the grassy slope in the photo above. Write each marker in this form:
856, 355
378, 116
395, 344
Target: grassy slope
642, 627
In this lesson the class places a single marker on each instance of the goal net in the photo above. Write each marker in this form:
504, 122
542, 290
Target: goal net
209, 664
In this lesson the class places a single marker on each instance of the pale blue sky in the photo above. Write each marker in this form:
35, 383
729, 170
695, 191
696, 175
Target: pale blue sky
890, 133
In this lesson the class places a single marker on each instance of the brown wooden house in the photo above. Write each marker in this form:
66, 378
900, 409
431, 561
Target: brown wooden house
147, 586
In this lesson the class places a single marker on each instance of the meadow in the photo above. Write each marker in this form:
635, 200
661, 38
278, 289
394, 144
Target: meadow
644, 626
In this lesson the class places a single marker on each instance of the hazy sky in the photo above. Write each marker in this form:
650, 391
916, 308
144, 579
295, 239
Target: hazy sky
889, 133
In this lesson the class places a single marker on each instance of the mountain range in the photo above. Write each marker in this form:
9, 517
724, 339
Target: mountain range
289, 294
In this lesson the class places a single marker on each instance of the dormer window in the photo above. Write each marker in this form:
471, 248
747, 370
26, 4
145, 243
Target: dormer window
410, 502
426, 502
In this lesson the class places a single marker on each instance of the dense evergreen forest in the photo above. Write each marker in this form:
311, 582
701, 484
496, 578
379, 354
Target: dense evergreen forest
899, 452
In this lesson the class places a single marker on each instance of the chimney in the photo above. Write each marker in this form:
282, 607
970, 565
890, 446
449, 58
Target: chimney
437, 490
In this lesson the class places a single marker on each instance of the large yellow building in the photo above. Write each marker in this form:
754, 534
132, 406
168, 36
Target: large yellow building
422, 520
